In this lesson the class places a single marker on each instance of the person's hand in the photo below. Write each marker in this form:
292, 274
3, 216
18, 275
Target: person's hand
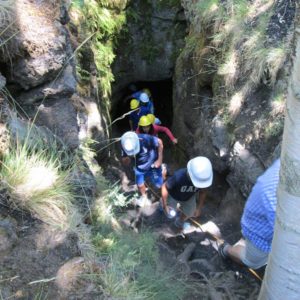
157, 164
175, 141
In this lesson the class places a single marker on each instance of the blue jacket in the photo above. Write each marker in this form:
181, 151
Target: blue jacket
147, 109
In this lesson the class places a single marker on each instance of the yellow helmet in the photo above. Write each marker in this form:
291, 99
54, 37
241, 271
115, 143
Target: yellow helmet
147, 91
144, 121
151, 118
134, 104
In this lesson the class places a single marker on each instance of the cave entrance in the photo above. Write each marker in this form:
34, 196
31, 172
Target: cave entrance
162, 99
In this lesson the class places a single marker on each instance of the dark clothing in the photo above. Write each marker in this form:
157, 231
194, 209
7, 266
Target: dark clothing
136, 95
135, 117
180, 186
137, 114
147, 108
148, 153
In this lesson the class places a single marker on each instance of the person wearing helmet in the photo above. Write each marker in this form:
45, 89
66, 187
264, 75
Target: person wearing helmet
146, 104
183, 187
135, 93
147, 91
135, 115
156, 121
146, 125
147, 151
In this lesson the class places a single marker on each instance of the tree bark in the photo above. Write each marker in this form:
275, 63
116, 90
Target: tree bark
282, 278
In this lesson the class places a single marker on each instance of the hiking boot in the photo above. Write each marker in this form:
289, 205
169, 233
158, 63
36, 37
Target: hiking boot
178, 223
222, 252
186, 227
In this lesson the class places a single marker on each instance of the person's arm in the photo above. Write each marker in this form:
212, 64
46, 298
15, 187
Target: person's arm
125, 161
167, 131
160, 148
200, 202
164, 197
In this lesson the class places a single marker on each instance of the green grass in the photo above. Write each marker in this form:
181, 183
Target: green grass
132, 268
244, 55
134, 272
8, 30
208, 9
105, 22
6, 14
275, 128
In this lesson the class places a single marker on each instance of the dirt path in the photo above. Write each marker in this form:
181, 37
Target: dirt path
195, 251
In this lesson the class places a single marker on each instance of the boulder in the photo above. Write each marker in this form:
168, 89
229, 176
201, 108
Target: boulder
60, 117
42, 45
154, 40
63, 86
245, 168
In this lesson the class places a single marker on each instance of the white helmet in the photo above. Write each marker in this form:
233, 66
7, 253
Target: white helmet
144, 98
200, 171
130, 143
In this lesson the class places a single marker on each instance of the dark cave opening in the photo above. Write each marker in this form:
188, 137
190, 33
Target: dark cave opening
161, 92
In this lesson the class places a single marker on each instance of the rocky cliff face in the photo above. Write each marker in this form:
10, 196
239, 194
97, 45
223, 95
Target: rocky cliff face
155, 36
230, 85
229, 65
41, 73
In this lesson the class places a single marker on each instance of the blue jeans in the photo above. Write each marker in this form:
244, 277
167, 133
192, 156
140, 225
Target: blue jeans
155, 175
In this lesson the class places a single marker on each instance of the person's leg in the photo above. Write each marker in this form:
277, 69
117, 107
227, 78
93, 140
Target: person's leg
236, 252
140, 181
142, 190
254, 257
188, 208
244, 252
171, 202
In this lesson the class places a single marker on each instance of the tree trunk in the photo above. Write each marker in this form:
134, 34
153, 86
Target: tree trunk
282, 278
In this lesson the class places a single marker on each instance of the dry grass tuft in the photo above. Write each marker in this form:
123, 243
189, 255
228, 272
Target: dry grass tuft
8, 30
36, 184
6, 13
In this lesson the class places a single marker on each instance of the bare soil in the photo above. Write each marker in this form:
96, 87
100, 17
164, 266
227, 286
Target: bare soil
42, 263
